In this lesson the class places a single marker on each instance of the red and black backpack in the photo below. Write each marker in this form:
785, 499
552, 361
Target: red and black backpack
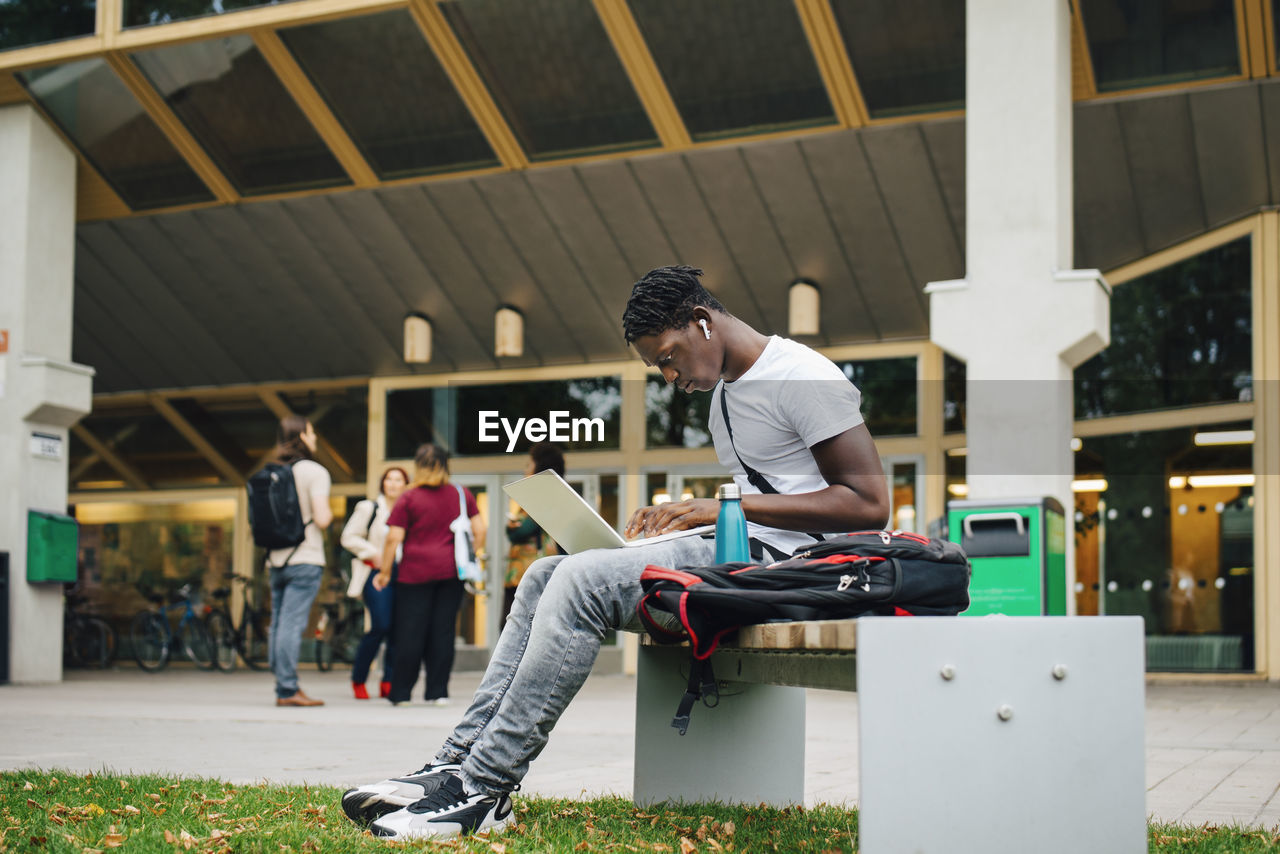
844, 575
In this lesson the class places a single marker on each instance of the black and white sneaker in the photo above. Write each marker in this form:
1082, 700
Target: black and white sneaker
374, 800
446, 812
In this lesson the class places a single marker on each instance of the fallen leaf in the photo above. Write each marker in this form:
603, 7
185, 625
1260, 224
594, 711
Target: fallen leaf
728, 828
169, 837
34, 805
687, 846
132, 810
28, 787
113, 840
497, 848
581, 846
94, 810
91, 851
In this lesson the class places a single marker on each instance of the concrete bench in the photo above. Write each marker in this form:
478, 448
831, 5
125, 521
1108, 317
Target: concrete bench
974, 733
750, 747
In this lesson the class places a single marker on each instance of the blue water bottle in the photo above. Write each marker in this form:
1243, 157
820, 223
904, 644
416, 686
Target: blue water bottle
731, 526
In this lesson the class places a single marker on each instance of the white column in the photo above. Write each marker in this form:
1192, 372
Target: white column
41, 390
1022, 318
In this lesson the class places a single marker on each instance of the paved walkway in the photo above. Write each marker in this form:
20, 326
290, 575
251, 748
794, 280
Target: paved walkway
1213, 750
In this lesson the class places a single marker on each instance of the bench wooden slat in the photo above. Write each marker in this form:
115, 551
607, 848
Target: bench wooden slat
838, 635
824, 635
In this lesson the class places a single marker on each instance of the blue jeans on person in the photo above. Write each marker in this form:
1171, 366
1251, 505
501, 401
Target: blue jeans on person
293, 589
379, 603
563, 607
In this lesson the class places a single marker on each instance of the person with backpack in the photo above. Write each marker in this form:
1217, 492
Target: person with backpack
792, 434
428, 591
295, 569
364, 536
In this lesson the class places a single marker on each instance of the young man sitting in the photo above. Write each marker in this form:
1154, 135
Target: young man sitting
795, 421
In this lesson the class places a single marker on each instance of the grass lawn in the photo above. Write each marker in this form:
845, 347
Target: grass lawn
84, 814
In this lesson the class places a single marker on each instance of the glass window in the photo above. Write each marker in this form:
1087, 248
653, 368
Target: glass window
903, 498
553, 73
473, 420
675, 419
235, 106
757, 75
128, 550
954, 375
27, 22
889, 394
113, 132
1170, 537
388, 90
1180, 336
1137, 43
908, 55
141, 13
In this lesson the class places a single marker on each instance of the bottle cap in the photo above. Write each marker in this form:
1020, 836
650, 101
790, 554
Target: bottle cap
729, 491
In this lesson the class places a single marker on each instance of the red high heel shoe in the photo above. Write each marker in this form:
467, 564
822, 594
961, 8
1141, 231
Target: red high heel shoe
361, 692
384, 689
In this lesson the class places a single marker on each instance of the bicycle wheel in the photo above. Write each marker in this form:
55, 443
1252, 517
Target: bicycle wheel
149, 636
91, 640
197, 643
223, 635
347, 636
324, 650
253, 641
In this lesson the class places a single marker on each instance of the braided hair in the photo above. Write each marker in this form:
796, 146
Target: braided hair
665, 299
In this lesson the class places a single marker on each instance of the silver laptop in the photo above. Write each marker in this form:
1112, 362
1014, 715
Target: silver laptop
571, 521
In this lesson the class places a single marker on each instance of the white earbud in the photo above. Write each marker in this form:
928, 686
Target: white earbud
706, 333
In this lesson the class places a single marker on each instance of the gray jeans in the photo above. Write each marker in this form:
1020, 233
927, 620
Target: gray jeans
293, 589
563, 607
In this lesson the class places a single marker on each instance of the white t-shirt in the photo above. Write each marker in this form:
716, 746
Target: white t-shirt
310, 478
791, 399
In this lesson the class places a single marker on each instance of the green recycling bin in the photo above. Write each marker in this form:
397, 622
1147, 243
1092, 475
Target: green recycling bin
1018, 551
53, 542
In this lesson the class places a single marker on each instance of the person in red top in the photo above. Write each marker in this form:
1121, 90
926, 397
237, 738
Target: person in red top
427, 589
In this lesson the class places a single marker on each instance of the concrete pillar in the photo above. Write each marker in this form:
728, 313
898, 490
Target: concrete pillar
41, 390
1022, 318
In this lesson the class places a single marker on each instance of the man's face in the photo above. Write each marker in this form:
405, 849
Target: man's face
687, 359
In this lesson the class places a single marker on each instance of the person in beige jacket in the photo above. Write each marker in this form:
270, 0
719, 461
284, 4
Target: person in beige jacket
364, 536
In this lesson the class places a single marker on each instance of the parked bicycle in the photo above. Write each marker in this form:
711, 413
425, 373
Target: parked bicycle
339, 629
155, 642
248, 639
88, 640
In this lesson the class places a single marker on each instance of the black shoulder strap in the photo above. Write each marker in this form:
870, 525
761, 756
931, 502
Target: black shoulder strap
756, 479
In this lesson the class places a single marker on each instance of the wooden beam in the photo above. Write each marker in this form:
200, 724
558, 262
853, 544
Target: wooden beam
129, 473
171, 126
638, 62
110, 20
326, 454
453, 58
199, 442
313, 106
54, 53
94, 458
1083, 83
1251, 31
829, 51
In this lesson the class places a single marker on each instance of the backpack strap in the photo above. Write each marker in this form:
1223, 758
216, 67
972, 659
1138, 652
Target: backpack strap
702, 686
754, 477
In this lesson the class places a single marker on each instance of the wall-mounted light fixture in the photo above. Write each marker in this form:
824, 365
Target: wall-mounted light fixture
417, 338
508, 332
802, 314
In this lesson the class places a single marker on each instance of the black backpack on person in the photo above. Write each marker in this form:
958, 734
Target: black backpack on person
275, 516
891, 573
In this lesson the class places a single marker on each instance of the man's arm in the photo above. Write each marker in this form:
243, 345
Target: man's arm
857, 497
